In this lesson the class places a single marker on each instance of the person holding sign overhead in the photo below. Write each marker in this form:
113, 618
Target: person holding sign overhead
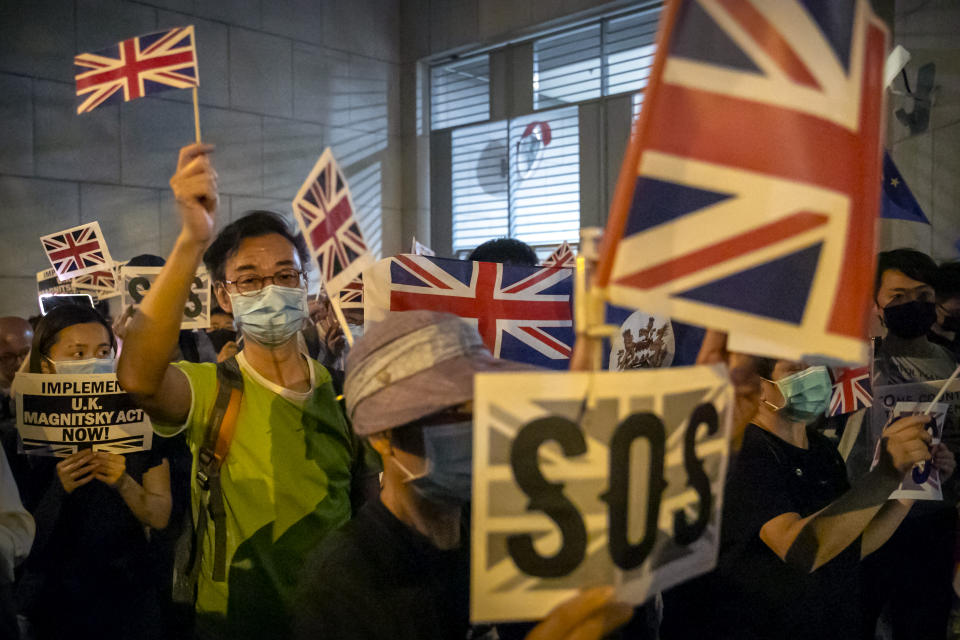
90, 572
275, 464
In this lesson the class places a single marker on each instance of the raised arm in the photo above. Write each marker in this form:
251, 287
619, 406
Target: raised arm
144, 368
811, 542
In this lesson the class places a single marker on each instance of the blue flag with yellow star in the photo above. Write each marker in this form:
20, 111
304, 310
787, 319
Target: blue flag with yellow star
897, 200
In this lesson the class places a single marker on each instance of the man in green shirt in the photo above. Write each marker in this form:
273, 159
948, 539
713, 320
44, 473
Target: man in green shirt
293, 462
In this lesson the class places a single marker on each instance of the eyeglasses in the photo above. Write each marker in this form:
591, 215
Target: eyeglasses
248, 285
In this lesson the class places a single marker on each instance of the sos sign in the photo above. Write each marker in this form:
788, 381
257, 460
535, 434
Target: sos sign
627, 493
136, 281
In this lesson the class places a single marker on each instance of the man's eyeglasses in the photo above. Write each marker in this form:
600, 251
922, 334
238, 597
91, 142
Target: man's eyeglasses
250, 284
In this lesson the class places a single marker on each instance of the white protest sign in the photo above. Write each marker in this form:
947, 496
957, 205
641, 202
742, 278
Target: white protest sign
57, 415
898, 400
627, 493
48, 283
136, 282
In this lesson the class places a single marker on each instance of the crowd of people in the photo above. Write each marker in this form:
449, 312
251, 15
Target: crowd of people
303, 489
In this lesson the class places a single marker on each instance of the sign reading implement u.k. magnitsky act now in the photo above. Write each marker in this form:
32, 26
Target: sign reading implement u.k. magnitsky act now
623, 490
57, 415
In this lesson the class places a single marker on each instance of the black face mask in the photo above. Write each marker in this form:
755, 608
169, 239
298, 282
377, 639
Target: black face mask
910, 319
220, 337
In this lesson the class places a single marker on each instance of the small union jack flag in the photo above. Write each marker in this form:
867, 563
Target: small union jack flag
324, 210
351, 296
750, 191
98, 281
562, 257
77, 251
851, 390
522, 313
137, 67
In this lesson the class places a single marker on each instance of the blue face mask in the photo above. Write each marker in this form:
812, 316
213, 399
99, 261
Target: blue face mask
90, 365
806, 394
448, 449
272, 315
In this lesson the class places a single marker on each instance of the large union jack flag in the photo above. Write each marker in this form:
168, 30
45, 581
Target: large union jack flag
77, 251
324, 210
522, 313
750, 190
851, 390
137, 67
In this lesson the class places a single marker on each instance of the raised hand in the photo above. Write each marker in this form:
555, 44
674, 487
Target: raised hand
195, 190
944, 461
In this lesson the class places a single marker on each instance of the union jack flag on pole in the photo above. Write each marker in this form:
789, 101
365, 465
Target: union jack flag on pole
749, 193
562, 257
851, 390
137, 67
324, 210
77, 251
522, 313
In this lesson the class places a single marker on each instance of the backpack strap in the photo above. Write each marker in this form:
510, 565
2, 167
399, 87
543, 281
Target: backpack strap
216, 445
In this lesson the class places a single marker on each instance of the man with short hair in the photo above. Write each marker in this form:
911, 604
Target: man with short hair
921, 549
507, 251
290, 464
400, 569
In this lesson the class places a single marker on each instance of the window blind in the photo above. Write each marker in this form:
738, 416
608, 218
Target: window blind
460, 92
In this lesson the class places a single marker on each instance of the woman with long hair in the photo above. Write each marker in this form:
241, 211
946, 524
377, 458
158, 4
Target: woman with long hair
90, 572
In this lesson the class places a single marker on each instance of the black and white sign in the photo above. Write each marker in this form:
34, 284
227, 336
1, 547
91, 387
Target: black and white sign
136, 282
585, 479
57, 415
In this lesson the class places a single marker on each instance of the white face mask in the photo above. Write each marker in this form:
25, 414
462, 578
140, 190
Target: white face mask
272, 315
89, 365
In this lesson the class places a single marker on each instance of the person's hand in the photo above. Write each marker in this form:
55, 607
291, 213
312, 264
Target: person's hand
76, 470
195, 190
907, 443
743, 377
589, 615
121, 324
110, 468
228, 350
944, 461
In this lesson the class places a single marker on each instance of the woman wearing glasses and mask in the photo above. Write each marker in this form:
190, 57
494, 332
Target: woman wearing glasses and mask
794, 529
90, 572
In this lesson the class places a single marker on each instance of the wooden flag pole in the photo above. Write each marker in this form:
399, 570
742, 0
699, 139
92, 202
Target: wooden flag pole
196, 114
335, 303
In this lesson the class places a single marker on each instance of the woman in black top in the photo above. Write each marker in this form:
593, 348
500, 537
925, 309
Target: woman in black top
89, 573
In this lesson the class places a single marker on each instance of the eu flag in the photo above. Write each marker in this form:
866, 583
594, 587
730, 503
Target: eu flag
897, 201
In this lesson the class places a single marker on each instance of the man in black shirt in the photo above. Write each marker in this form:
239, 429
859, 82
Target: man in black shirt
794, 530
400, 569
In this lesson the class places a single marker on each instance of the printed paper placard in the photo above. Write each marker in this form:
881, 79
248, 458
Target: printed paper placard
49, 283
923, 483
886, 397
136, 282
77, 251
57, 415
627, 493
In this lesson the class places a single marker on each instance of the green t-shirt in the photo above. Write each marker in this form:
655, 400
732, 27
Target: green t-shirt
286, 484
